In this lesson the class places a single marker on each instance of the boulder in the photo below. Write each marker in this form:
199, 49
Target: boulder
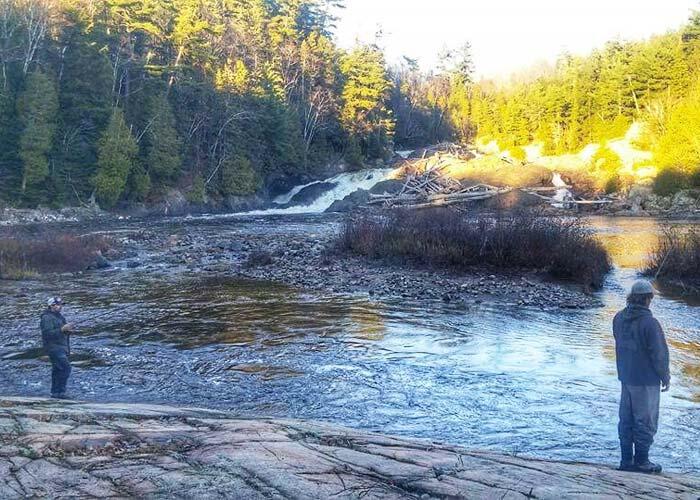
245, 203
100, 262
389, 186
311, 193
656, 203
175, 203
638, 197
684, 201
350, 202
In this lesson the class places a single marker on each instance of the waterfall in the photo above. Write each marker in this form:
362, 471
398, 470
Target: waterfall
345, 184
563, 194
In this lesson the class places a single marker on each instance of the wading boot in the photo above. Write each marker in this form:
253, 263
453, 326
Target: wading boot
627, 458
627, 466
642, 463
648, 468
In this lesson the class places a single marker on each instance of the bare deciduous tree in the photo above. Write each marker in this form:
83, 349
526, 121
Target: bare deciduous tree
36, 16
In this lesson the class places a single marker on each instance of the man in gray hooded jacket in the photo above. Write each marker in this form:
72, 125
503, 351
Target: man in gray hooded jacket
55, 335
643, 370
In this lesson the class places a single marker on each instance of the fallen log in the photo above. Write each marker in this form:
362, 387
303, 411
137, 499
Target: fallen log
443, 202
545, 188
469, 196
590, 202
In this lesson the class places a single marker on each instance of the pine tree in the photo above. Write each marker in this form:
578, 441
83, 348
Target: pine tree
37, 106
365, 92
161, 143
117, 150
85, 105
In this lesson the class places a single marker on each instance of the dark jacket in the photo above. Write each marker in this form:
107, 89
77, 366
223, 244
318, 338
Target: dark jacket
640, 347
51, 334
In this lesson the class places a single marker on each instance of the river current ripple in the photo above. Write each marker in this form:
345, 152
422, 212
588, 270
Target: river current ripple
519, 380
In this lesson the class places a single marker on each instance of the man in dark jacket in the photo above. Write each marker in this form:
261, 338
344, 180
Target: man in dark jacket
55, 334
643, 368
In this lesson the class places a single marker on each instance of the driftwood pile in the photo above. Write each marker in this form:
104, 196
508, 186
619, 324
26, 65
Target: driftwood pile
427, 185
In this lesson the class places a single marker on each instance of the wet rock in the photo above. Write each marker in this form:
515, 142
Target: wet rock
64, 449
132, 264
175, 203
685, 201
350, 202
638, 197
100, 262
259, 258
389, 186
311, 193
245, 203
17, 216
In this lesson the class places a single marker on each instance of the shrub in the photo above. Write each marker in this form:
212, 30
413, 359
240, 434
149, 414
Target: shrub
676, 257
518, 153
612, 184
565, 248
695, 178
671, 180
606, 160
24, 255
605, 168
353, 154
197, 192
238, 177
139, 183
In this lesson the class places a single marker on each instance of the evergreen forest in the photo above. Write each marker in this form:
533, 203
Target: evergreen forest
121, 101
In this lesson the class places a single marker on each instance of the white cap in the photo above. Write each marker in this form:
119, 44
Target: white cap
642, 287
53, 301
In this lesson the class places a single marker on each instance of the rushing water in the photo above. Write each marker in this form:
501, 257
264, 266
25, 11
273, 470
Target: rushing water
518, 380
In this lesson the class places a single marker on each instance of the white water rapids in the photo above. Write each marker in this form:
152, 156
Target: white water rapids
345, 184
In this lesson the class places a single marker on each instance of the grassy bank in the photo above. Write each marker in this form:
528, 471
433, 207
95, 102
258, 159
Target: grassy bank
564, 248
24, 255
676, 258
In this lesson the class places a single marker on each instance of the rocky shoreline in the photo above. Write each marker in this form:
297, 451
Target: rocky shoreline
306, 260
301, 264
52, 448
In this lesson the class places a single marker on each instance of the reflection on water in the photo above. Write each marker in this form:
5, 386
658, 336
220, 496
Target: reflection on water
518, 380
627, 240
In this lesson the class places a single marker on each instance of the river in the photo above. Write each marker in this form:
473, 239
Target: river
519, 380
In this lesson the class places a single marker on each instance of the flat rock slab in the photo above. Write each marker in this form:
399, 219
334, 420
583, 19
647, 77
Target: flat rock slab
52, 448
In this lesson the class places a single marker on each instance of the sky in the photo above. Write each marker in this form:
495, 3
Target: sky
506, 35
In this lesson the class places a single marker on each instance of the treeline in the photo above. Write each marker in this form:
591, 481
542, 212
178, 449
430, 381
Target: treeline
579, 101
125, 99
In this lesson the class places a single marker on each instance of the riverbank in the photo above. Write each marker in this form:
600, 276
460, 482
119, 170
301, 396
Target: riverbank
260, 249
306, 260
56, 448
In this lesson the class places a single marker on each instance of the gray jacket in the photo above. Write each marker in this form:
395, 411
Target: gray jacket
51, 334
640, 348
